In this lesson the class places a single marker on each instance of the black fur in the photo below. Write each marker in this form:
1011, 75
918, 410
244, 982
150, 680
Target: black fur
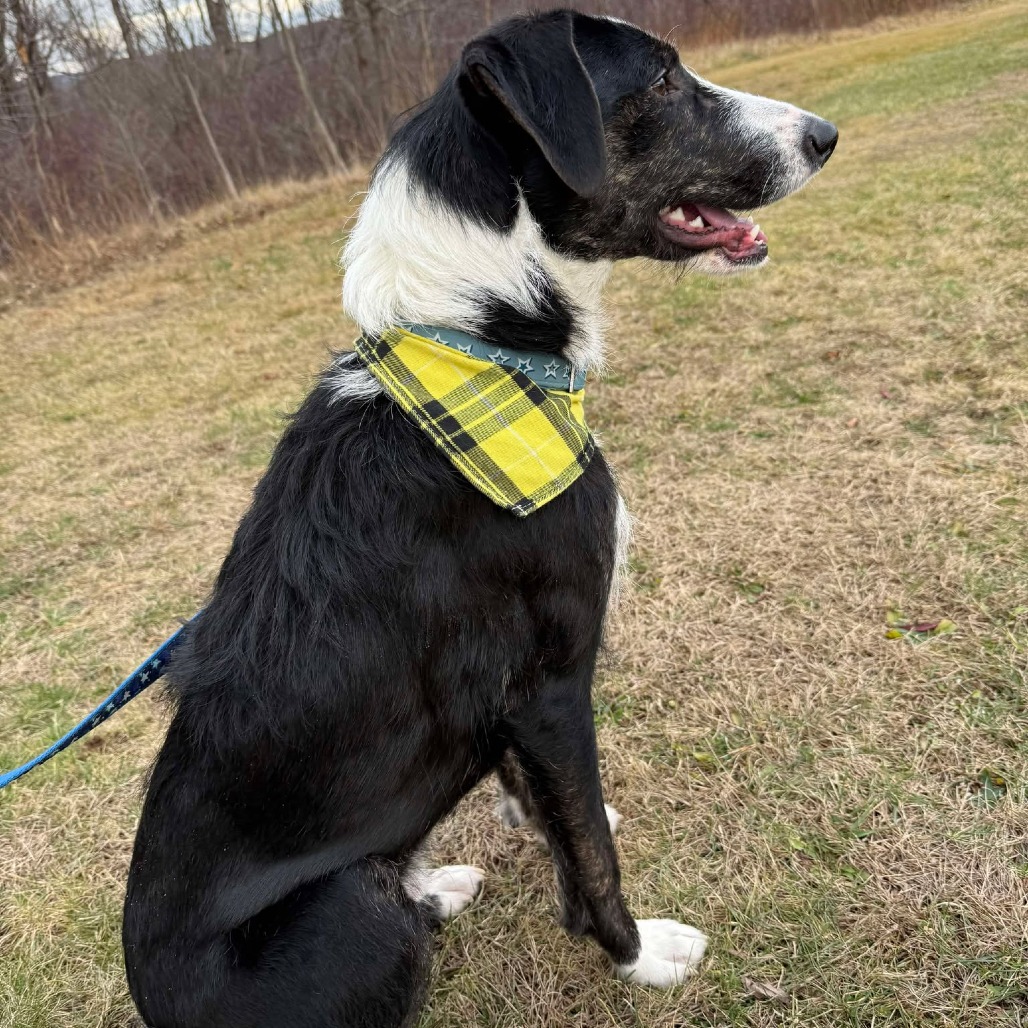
375, 641
381, 636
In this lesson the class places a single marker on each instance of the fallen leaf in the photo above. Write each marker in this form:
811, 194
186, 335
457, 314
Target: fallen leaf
885, 394
831, 355
853, 422
765, 990
915, 631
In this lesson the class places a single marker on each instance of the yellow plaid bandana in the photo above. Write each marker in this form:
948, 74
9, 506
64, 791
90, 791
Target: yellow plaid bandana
517, 442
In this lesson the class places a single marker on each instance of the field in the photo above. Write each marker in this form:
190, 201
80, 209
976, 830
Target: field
818, 456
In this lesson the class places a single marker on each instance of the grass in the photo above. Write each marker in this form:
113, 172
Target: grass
840, 436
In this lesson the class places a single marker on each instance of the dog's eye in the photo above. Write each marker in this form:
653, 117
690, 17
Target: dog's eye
661, 87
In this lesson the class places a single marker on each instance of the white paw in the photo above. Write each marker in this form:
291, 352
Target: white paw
451, 888
669, 953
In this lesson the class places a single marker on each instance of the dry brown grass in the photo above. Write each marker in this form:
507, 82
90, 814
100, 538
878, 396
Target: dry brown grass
806, 449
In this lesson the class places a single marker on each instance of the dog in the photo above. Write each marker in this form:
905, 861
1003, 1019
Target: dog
382, 634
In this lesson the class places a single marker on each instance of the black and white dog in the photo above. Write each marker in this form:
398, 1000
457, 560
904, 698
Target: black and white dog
381, 635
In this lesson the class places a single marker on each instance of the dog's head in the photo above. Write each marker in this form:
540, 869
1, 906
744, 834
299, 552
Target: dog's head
620, 151
558, 143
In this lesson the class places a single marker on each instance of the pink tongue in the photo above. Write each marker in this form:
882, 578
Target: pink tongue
719, 218
739, 239
730, 232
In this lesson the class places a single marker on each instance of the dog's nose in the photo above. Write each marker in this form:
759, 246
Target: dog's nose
819, 140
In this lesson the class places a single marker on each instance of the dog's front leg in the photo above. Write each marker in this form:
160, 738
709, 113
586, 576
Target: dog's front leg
555, 742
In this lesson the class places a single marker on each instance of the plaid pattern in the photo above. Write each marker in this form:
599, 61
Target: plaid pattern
516, 442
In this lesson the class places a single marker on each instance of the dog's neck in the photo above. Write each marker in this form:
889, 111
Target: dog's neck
411, 257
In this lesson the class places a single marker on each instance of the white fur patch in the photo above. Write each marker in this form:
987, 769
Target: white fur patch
669, 953
613, 818
450, 888
777, 129
409, 258
582, 282
624, 525
350, 380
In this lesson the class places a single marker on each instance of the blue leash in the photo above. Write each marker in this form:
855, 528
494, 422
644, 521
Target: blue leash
145, 675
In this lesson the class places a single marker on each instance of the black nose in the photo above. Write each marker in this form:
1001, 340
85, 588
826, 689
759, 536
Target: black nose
819, 140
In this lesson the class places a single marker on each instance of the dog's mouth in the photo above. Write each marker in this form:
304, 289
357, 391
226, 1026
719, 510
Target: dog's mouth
695, 226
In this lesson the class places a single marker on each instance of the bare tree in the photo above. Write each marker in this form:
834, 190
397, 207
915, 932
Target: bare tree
7, 101
331, 156
129, 34
34, 57
217, 94
85, 43
173, 42
221, 28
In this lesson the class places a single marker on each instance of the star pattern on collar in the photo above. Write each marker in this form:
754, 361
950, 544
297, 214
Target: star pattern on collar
550, 369
525, 364
499, 357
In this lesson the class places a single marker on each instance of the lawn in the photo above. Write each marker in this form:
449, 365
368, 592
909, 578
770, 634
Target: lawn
818, 455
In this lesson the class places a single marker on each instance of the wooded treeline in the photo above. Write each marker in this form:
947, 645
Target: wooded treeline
116, 110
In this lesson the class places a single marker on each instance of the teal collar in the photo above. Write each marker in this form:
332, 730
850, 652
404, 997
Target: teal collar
545, 370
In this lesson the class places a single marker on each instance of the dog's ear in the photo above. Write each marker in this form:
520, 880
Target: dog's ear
541, 81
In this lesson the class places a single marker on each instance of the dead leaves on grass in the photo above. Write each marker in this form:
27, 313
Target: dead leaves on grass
915, 631
769, 991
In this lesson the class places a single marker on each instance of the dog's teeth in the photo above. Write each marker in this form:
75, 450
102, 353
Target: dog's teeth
696, 222
677, 215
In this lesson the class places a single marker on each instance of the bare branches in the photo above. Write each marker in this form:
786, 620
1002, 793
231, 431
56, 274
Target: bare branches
217, 13
33, 53
7, 88
113, 110
129, 34
173, 42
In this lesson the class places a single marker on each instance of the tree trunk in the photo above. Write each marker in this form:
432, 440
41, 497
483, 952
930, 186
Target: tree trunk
427, 53
331, 157
371, 26
257, 30
26, 45
128, 29
6, 67
172, 41
217, 13
226, 175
